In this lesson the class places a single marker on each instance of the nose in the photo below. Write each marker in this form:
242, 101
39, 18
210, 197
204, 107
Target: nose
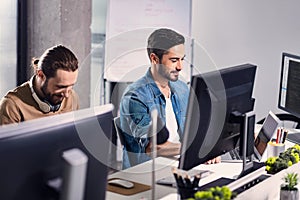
66, 92
179, 65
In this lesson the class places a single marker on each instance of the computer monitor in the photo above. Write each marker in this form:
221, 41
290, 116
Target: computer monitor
216, 115
289, 97
31, 153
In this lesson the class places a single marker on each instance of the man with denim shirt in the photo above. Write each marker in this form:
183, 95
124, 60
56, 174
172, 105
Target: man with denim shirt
159, 86
159, 89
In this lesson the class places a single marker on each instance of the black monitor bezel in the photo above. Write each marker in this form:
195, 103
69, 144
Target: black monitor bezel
19, 179
286, 55
252, 68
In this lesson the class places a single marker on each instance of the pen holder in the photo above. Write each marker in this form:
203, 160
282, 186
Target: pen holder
274, 149
187, 185
186, 193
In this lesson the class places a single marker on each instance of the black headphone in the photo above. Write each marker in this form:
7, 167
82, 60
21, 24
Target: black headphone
45, 106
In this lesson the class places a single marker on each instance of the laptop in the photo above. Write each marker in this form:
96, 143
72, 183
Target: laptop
265, 134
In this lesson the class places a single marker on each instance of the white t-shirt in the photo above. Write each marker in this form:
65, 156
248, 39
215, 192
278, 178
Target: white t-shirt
171, 122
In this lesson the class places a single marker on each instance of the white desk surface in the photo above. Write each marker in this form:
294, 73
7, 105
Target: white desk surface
268, 189
143, 174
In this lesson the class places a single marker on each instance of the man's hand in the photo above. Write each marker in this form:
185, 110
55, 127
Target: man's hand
166, 149
214, 160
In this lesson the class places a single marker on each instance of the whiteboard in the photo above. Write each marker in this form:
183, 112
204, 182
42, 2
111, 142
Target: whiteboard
129, 23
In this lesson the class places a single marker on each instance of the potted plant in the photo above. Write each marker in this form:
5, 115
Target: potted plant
284, 160
220, 193
288, 190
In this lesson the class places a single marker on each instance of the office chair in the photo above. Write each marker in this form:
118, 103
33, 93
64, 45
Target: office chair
288, 120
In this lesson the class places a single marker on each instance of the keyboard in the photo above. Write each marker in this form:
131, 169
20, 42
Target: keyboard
235, 155
294, 137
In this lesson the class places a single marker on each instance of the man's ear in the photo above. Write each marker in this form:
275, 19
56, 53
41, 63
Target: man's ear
154, 59
40, 74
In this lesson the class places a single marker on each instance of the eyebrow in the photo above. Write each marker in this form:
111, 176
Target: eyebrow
64, 86
177, 57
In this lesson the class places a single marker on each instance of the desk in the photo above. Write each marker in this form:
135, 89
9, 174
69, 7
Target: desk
268, 189
142, 173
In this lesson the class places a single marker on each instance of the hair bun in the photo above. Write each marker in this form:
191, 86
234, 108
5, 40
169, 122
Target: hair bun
36, 61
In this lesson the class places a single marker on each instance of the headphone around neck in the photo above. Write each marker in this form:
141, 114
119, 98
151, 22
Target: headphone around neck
45, 106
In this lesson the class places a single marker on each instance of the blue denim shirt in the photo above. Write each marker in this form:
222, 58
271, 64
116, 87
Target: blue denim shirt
137, 102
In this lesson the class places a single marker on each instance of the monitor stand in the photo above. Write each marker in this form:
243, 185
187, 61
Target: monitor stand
247, 148
72, 183
250, 166
247, 144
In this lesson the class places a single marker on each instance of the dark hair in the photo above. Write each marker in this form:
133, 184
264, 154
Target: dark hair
54, 58
161, 40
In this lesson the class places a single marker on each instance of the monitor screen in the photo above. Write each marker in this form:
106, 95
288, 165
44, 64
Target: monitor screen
289, 96
31, 153
216, 101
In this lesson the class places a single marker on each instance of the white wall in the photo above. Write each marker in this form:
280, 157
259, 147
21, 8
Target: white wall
239, 31
99, 9
8, 50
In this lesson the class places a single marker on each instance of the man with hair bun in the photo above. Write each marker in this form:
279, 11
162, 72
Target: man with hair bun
48, 92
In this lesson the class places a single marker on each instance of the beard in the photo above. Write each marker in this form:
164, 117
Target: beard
50, 97
170, 75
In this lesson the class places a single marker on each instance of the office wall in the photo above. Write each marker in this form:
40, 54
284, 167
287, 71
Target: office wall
64, 22
8, 50
237, 31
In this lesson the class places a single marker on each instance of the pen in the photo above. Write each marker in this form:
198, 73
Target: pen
277, 138
178, 178
180, 181
282, 133
175, 174
188, 182
284, 136
196, 180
